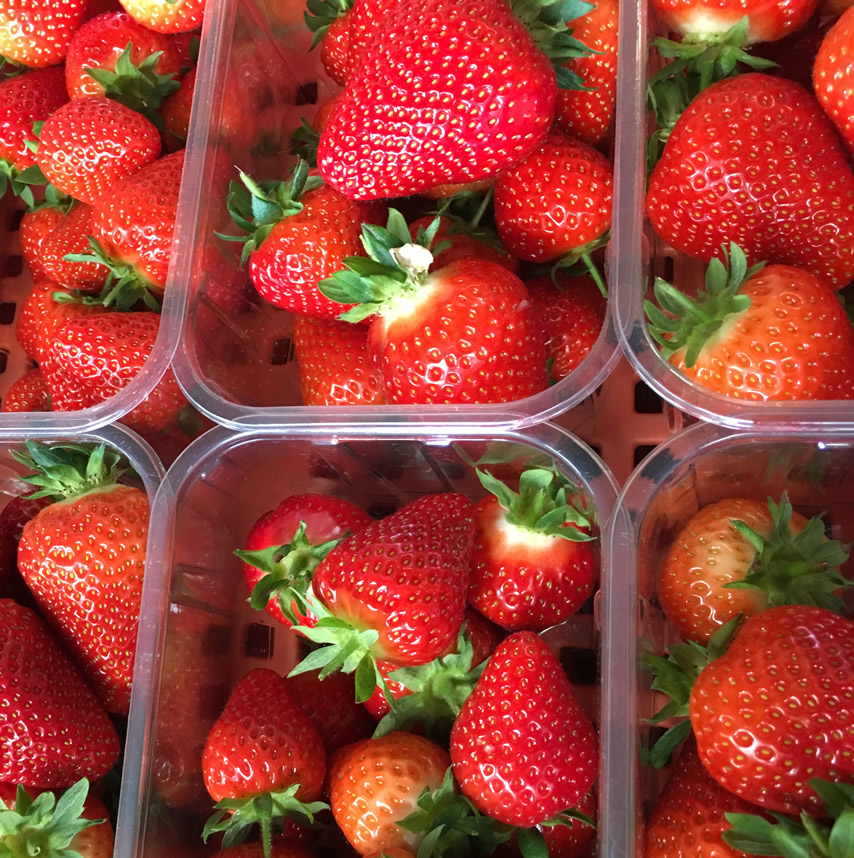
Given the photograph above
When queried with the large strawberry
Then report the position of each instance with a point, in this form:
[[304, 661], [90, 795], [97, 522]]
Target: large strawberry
[[37, 34], [522, 747], [833, 76], [84, 558], [787, 200], [166, 16], [462, 334], [53, 730]]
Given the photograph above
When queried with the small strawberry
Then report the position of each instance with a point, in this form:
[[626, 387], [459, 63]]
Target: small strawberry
[[176, 111], [70, 237], [35, 227], [88, 144], [522, 748], [166, 16], [833, 76], [53, 729], [14, 515], [186, 48], [334, 364], [576, 836], [37, 34], [28, 393]]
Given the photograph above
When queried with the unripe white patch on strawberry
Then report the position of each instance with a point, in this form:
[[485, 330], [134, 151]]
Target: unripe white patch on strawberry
[[523, 537], [409, 303]]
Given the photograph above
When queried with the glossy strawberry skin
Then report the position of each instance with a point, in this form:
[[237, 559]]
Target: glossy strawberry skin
[[788, 201], [28, 393], [71, 235], [463, 245], [263, 742], [334, 50], [91, 143], [364, 20], [35, 227], [557, 200], [833, 76], [54, 730], [523, 750], [776, 709], [37, 34], [334, 364], [576, 839], [176, 111], [427, 48], [25, 99], [472, 340], [405, 576], [163, 16]]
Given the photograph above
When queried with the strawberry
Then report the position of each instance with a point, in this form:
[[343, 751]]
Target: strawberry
[[37, 34], [88, 144], [93, 358], [334, 51], [570, 312], [586, 113], [760, 333], [576, 837], [256, 850], [28, 393], [442, 192], [299, 234], [176, 111], [35, 227], [286, 545], [113, 55], [54, 730], [333, 363], [14, 515], [163, 16], [70, 237], [833, 73], [532, 565], [368, 149], [788, 201], [463, 241], [522, 748], [376, 783], [772, 555], [186, 48], [463, 334], [263, 759]]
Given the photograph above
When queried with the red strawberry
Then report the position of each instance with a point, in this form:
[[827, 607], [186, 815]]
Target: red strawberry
[[163, 16], [334, 50], [17, 512], [84, 557], [177, 109], [37, 34], [466, 242], [833, 76], [575, 838], [570, 312], [532, 565], [789, 201], [89, 144], [28, 393], [523, 750], [333, 363], [286, 545], [775, 710], [186, 47], [53, 729], [376, 783], [94, 358], [587, 113], [35, 227], [428, 47], [758, 334], [71, 236], [556, 202], [113, 55]]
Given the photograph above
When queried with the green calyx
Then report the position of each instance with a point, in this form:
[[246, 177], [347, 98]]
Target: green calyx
[[235, 817], [580, 261], [138, 87], [674, 676], [288, 568], [545, 503], [803, 838], [67, 471], [396, 266], [320, 14], [795, 570], [682, 323], [257, 207], [44, 826], [546, 21], [304, 143], [21, 182]]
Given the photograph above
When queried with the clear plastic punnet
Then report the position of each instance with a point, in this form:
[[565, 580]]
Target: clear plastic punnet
[[199, 635], [256, 82], [697, 467], [638, 255]]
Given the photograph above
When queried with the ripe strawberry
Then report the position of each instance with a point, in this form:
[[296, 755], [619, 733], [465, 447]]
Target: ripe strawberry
[[570, 312], [465, 242], [576, 837], [788, 201], [286, 545], [17, 512], [35, 227], [88, 144], [84, 557], [782, 690], [761, 333], [71, 236], [376, 783], [163, 16], [442, 192], [28, 393], [176, 111], [113, 55], [54, 730], [94, 358], [586, 113], [464, 334], [689, 815], [333, 363], [783, 558], [186, 47], [833, 74], [523, 750], [556, 202], [37, 34]]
